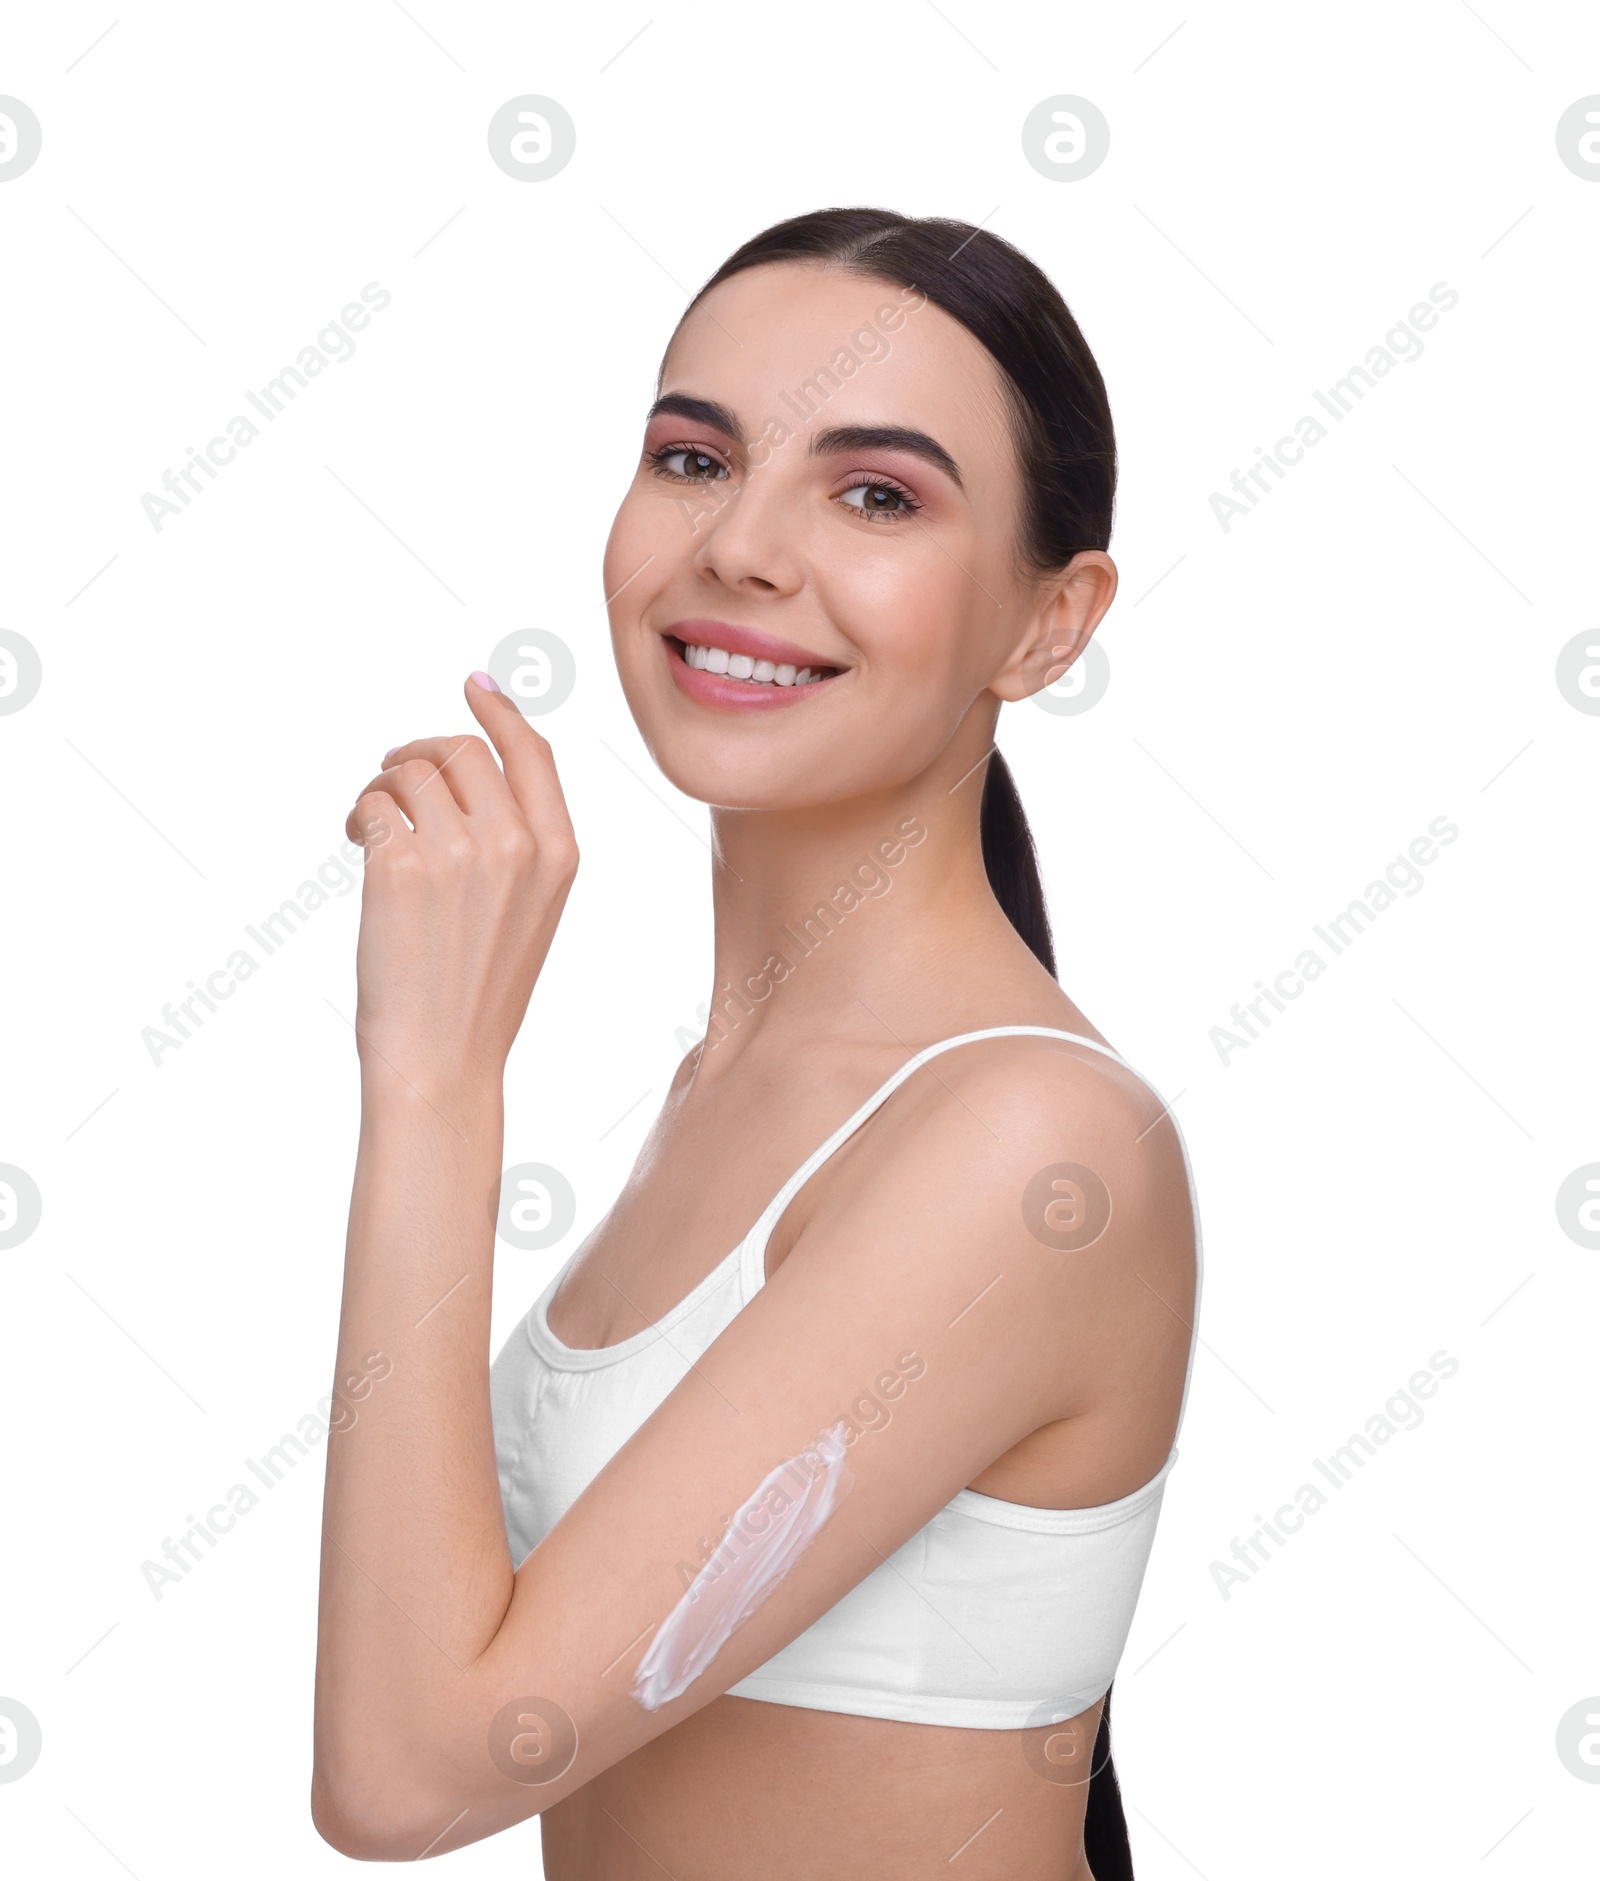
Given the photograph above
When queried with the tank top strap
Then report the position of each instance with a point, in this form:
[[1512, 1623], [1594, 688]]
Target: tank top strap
[[753, 1250]]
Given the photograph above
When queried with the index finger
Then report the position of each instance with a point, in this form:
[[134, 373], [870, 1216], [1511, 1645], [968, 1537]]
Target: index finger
[[527, 759]]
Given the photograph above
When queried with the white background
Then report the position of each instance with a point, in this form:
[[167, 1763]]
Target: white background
[[1372, 647]]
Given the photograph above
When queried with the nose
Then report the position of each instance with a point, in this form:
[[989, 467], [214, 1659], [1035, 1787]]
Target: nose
[[746, 535]]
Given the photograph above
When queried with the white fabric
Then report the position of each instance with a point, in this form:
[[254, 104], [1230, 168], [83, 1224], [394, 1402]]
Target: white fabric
[[994, 1615]]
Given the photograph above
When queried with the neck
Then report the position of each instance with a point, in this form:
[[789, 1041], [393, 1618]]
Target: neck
[[857, 921]]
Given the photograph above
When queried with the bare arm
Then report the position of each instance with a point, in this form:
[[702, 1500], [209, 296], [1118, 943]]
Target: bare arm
[[458, 913]]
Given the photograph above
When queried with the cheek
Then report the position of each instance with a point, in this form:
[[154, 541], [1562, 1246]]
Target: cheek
[[626, 545], [659, 530], [911, 614], [643, 552]]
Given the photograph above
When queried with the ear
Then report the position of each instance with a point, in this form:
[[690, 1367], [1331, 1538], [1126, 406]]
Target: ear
[[1075, 603]]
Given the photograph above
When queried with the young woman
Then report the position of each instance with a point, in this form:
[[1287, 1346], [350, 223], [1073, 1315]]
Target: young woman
[[816, 1557]]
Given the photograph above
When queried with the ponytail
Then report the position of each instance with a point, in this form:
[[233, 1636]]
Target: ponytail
[[1105, 1827], [1013, 865]]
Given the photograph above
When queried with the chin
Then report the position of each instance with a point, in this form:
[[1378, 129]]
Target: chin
[[714, 771]]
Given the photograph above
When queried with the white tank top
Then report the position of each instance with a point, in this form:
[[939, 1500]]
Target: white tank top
[[995, 1615]]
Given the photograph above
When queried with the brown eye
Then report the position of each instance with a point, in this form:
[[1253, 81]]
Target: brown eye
[[687, 465], [887, 500]]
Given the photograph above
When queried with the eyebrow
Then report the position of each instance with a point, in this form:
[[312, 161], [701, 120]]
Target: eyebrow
[[888, 438], [700, 411], [836, 439]]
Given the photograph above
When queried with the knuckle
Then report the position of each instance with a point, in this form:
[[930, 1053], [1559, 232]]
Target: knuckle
[[560, 856], [515, 844], [372, 818]]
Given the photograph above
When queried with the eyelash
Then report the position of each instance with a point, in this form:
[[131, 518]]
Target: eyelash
[[909, 503]]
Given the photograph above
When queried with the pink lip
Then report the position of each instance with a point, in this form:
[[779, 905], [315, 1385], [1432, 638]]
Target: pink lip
[[716, 689]]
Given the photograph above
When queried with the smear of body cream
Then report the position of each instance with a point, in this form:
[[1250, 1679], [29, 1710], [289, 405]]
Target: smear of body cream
[[767, 1535]]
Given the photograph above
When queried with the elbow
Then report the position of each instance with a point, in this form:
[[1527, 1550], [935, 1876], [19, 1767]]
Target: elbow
[[341, 1831], [344, 1836], [371, 1819], [351, 1829]]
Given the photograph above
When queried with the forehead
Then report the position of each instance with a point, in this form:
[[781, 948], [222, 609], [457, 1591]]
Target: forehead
[[776, 340]]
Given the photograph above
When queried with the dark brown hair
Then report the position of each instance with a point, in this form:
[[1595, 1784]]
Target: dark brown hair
[[1061, 422]]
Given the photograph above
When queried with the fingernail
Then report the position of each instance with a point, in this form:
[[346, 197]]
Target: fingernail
[[390, 753], [483, 680]]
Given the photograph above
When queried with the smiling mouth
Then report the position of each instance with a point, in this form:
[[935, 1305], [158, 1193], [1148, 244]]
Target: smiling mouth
[[753, 672]]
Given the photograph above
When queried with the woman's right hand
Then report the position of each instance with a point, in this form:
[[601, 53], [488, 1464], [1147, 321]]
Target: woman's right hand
[[461, 896]]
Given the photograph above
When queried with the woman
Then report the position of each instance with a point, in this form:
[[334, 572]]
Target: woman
[[814, 1558]]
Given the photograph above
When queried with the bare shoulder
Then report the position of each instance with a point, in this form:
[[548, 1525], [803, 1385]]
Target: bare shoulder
[[1010, 1109], [1038, 1190], [1083, 1185]]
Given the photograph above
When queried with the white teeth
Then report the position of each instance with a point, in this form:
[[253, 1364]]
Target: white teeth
[[752, 671]]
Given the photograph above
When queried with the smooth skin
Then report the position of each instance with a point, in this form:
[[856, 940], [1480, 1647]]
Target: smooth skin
[[1060, 1387]]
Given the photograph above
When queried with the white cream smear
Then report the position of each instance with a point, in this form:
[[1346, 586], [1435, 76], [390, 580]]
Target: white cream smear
[[767, 1535]]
